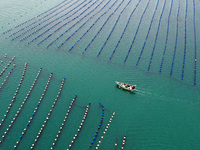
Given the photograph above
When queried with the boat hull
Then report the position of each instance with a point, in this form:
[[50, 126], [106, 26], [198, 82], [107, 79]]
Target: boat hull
[[125, 86]]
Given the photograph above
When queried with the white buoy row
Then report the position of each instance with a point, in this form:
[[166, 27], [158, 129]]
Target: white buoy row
[[99, 127], [21, 107], [48, 116], [123, 142], [34, 112], [14, 97], [1, 62], [6, 67], [63, 123], [80, 127], [6, 79], [106, 129]]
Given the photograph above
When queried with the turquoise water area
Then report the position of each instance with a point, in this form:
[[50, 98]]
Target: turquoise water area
[[93, 43]]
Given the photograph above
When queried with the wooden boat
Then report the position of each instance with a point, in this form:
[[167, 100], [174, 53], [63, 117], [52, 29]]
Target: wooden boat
[[125, 86]]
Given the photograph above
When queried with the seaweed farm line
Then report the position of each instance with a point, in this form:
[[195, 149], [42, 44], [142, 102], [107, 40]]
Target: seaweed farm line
[[14, 97], [59, 63], [35, 111], [69, 23], [4, 70], [48, 116], [12, 118], [20, 108]]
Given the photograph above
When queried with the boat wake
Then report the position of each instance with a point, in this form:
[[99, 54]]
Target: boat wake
[[141, 92]]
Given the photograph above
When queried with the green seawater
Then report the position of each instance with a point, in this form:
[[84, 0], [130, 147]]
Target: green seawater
[[162, 114]]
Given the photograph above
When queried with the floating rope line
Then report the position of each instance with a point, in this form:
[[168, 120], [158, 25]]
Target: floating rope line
[[124, 29], [80, 127], [185, 43], [113, 29], [166, 41], [175, 40], [43, 26], [32, 18], [48, 116], [74, 23], [152, 19], [14, 97], [71, 10], [154, 46], [136, 32], [55, 7], [6, 67], [99, 127], [34, 112], [123, 142], [80, 26], [57, 10], [44, 33], [19, 25], [64, 23], [102, 27], [6, 31], [61, 21], [35, 18], [108, 36], [62, 16], [106, 129], [22, 28], [6, 79], [195, 46], [36, 22], [64, 121], [94, 22], [97, 33], [42, 23], [21, 107]]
